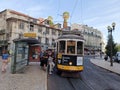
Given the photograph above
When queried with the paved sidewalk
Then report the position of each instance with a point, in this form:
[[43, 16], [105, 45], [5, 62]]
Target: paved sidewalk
[[32, 79], [106, 65]]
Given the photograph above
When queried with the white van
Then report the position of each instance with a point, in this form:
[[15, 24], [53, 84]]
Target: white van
[[118, 57]]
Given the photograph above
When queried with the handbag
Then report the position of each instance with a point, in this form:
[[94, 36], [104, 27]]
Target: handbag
[[8, 60]]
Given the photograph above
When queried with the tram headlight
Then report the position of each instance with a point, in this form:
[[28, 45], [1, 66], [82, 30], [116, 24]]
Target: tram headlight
[[70, 63], [79, 60]]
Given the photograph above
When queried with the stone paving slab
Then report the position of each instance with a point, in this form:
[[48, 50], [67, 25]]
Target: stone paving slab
[[33, 79], [106, 65]]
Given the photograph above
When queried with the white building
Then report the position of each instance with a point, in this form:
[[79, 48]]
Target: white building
[[93, 37]]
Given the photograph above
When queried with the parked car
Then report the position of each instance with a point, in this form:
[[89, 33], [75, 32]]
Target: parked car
[[117, 57]]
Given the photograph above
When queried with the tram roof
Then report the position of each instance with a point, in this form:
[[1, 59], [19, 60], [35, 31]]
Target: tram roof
[[73, 32], [71, 36]]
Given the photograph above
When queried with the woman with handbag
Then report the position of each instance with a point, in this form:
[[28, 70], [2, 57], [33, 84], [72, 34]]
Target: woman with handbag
[[5, 57]]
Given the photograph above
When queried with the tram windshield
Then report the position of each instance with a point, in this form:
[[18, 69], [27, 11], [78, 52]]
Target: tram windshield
[[71, 47]]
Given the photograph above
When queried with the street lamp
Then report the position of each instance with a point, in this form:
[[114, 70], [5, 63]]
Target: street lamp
[[110, 29]]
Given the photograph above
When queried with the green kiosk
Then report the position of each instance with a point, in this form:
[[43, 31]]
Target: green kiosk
[[20, 57]]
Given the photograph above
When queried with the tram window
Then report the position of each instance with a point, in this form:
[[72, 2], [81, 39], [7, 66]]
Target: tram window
[[62, 46], [71, 47], [79, 47]]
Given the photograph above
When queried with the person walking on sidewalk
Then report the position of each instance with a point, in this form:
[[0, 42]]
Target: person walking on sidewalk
[[41, 58], [106, 57], [5, 57], [44, 60], [51, 64]]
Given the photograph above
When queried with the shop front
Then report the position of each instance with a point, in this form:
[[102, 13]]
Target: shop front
[[34, 53]]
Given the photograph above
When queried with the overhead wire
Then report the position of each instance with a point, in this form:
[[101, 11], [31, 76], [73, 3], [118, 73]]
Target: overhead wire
[[58, 10], [73, 10], [82, 12]]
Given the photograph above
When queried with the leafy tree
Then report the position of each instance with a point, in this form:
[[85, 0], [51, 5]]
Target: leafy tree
[[118, 47], [108, 46]]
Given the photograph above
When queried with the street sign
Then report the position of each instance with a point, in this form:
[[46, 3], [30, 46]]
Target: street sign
[[33, 35]]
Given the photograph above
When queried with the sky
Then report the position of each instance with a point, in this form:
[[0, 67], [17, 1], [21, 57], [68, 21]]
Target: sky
[[95, 13]]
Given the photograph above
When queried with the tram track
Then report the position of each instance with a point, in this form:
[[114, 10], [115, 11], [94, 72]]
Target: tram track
[[92, 78], [88, 83], [79, 84], [71, 83]]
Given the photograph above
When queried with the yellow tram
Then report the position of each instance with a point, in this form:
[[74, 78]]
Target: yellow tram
[[70, 49]]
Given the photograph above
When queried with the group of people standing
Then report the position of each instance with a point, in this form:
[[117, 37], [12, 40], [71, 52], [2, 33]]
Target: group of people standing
[[47, 60]]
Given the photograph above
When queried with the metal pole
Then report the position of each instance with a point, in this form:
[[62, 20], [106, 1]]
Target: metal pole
[[100, 50], [111, 50]]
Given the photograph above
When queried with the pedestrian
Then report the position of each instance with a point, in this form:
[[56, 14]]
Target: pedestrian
[[41, 58], [45, 60], [106, 57], [50, 62], [5, 59]]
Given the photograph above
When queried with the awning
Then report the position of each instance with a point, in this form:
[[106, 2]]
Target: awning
[[28, 40]]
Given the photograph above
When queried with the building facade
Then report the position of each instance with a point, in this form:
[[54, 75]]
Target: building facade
[[93, 38], [17, 25]]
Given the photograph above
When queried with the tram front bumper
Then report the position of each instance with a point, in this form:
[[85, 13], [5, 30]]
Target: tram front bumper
[[70, 68]]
